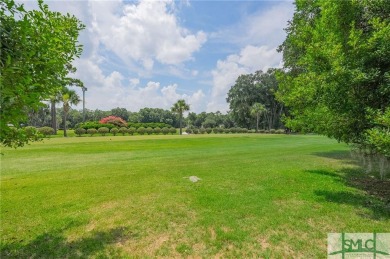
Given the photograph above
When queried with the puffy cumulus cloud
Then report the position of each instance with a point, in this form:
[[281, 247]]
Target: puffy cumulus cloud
[[249, 60], [114, 90], [145, 32]]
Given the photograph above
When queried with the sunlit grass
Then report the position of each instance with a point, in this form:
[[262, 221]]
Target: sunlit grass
[[260, 196]]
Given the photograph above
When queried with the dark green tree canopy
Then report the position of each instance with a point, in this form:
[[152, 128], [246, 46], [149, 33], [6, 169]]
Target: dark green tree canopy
[[37, 50], [259, 87], [337, 64]]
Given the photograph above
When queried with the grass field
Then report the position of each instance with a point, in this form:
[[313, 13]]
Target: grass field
[[268, 196]]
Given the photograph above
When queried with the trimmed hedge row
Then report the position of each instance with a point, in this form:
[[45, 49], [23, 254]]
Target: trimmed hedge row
[[96, 125], [123, 130]]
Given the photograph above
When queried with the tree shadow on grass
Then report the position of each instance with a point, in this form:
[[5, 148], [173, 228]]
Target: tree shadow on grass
[[376, 192], [56, 245]]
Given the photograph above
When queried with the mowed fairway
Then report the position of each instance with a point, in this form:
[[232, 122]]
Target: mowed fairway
[[269, 196]]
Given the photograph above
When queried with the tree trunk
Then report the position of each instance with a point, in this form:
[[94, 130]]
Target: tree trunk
[[65, 113], [180, 119], [53, 116]]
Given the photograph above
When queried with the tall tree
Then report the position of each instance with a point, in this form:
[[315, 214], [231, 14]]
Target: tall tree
[[180, 107], [336, 56], [257, 110], [69, 97], [37, 50]]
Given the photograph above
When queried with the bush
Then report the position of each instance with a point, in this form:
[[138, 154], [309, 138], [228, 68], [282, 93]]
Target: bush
[[114, 120], [165, 130], [103, 130], [261, 131], [280, 131], [233, 130], [172, 131], [227, 131], [30, 131], [209, 130], [157, 130], [202, 131], [153, 125], [189, 130], [93, 125], [216, 130], [123, 130], [195, 131], [272, 131], [114, 131], [46, 131], [80, 131], [141, 130], [149, 130], [131, 130], [266, 131], [252, 131], [92, 131], [244, 130]]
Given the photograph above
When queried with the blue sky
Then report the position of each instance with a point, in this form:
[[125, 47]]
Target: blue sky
[[152, 53]]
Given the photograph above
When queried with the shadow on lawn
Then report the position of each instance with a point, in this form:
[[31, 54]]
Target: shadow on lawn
[[56, 245], [375, 195]]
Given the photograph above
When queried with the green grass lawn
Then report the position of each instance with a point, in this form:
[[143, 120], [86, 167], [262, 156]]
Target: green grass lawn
[[270, 196]]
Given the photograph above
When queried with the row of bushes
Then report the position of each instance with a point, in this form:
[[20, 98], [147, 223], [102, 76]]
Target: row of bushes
[[123, 130], [96, 125], [231, 130]]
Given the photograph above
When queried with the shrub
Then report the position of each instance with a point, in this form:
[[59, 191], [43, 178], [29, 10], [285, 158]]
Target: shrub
[[202, 130], [172, 131], [227, 131], [80, 131], [252, 131], [103, 130], [122, 130], [157, 130], [244, 130], [261, 131], [149, 130], [266, 131], [131, 130], [114, 120], [209, 130], [114, 131], [216, 130], [30, 131], [153, 125], [46, 131], [195, 131], [233, 130], [165, 130], [280, 131], [189, 130], [92, 131], [272, 131], [141, 130], [93, 125]]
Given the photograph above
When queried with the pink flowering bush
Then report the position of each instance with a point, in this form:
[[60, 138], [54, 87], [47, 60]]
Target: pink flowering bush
[[117, 121]]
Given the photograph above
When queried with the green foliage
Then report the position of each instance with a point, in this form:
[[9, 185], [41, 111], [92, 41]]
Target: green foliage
[[202, 130], [103, 130], [227, 131], [80, 131], [165, 130], [195, 131], [209, 130], [255, 88], [149, 130], [114, 131], [157, 130], [179, 108], [46, 131], [336, 56], [152, 125], [141, 130], [122, 130], [92, 131], [37, 50], [272, 131], [94, 125], [188, 130], [172, 130], [132, 130]]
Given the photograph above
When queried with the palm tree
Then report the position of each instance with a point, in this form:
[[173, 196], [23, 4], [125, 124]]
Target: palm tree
[[180, 107], [257, 110], [69, 97]]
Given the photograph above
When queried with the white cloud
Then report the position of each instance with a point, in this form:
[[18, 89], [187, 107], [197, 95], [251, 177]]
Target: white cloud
[[145, 32]]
